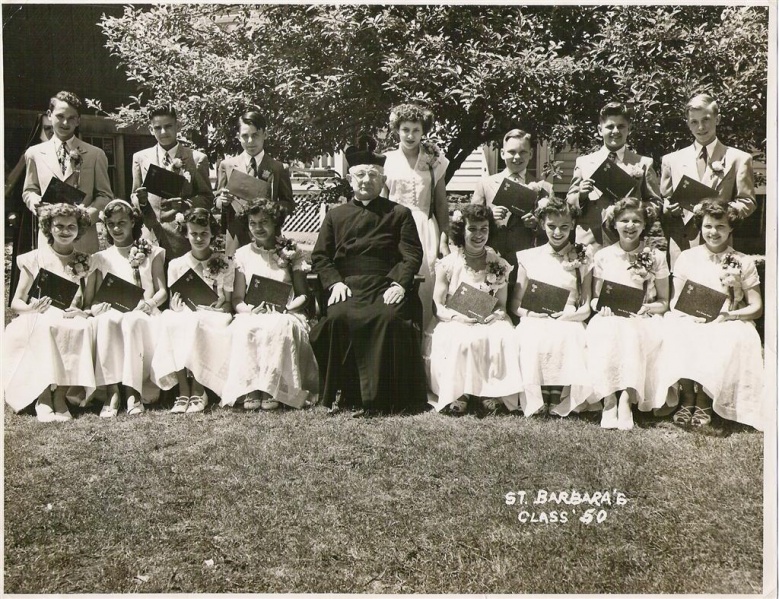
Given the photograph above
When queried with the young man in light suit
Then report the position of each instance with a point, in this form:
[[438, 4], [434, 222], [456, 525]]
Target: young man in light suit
[[159, 214], [614, 127], [71, 160], [512, 233], [257, 162], [726, 170]]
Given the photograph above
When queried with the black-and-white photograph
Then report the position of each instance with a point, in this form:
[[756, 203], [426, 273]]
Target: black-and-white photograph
[[390, 298]]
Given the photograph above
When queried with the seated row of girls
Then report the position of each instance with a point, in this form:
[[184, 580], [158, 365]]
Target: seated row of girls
[[565, 366], [263, 357]]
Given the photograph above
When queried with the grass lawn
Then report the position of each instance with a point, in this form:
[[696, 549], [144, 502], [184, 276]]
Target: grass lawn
[[227, 501]]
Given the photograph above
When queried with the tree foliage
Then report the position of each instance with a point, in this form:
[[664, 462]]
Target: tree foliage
[[322, 73]]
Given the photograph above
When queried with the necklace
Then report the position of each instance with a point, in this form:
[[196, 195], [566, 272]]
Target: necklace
[[475, 256]]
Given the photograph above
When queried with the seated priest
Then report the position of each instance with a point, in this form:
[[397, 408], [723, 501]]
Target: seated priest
[[366, 255]]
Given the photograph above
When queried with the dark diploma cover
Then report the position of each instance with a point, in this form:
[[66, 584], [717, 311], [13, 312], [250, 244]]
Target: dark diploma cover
[[699, 300], [612, 180], [518, 198], [164, 183], [544, 298], [60, 192], [270, 291], [193, 290], [122, 296], [59, 289], [689, 192], [622, 299], [472, 302]]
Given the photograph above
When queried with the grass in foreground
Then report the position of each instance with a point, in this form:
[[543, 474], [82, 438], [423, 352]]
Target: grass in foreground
[[299, 502]]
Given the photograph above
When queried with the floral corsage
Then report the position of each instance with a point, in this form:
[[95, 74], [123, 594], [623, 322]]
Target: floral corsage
[[287, 253], [642, 266], [496, 276], [576, 257], [430, 157], [730, 277], [79, 268], [214, 269], [139, 251]]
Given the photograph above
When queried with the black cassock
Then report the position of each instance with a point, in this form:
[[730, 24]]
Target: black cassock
[[369, 350]]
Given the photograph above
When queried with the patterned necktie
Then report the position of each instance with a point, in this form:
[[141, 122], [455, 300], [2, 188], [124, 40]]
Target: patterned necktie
[[253, 166], [166, 160], [613, 156], [702, 162], [63, 154]]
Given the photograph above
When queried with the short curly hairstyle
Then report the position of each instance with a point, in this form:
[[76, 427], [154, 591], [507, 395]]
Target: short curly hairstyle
[[198, 216], [647, 211], [412, 113], [473, 213], [557, 207], [49, 212], [269, 207], [118, 205], [716, 208]]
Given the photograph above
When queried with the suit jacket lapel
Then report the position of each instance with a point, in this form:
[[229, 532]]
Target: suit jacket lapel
[[267, 165], [688, 166], [48, 153], [717, 155]]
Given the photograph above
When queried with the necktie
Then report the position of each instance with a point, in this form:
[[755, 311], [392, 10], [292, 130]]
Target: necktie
[[166, 160], [613, 156], [253, 166], [63, 154], [702, 162]]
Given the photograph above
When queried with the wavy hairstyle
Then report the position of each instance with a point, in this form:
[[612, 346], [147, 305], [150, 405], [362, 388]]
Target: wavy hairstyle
[[270, 208], [556, 207], [413, 113], [117, 205], [198, 216], [716, 208], [647, 211], [473, 213], [48, 212]]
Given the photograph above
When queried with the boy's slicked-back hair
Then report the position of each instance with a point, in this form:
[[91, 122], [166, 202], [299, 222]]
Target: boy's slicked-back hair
[[615, 109], [516, 134], [69, 98], [254, 118], [701, 102], [162, 110]]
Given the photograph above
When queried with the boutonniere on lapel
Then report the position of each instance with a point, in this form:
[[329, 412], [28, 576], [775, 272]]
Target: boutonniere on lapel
[[75, 163], [178, 167], [718, 167], [265, 175], [634, 170]]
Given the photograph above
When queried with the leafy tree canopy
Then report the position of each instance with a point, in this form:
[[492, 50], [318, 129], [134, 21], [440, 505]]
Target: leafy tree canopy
[[322, 73]]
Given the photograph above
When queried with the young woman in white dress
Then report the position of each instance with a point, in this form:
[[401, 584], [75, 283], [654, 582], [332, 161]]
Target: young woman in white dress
[[45, 346], [718, 365], [552, 347], [622, 352], [468, 359], [125, 342], [193, 344], [415, 174], [271, 360]]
